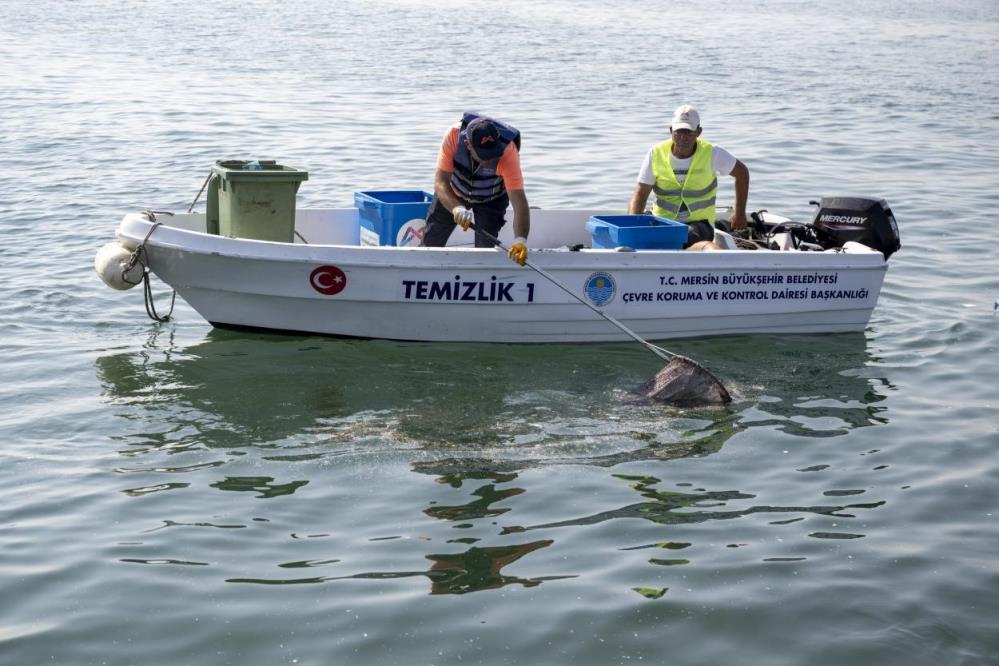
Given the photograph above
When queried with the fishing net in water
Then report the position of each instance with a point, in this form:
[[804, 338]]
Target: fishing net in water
[[684, 382]]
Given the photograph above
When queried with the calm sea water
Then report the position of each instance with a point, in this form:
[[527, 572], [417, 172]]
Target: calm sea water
[[171, 494]]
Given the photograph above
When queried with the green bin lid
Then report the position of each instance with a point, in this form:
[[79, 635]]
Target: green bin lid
[[257, 170]]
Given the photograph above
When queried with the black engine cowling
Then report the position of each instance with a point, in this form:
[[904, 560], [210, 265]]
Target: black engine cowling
[[867, 221]]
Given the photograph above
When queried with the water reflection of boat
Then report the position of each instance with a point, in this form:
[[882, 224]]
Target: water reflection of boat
[[236, 388], [244, 388]]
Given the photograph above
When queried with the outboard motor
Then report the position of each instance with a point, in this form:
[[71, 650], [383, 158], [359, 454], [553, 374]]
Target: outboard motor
[[866, 221]]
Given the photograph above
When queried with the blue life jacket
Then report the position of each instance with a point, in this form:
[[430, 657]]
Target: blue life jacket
[[477, 182]]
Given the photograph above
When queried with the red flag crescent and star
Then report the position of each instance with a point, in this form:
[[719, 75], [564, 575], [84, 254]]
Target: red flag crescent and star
[[328, 280]]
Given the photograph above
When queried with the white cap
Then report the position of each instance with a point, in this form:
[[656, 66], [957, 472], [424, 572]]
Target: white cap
[[686, 117]]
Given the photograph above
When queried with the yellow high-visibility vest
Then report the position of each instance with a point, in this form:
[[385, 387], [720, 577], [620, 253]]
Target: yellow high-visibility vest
[[698, 189]]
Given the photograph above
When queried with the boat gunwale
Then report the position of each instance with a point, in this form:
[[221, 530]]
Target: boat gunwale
[[135, 227]]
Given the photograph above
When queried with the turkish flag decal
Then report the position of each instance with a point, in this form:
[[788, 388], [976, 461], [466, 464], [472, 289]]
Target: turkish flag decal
[[328, 280]]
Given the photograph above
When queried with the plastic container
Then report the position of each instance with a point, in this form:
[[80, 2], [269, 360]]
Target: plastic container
[[253, 199], [392, 217], [641, 232]]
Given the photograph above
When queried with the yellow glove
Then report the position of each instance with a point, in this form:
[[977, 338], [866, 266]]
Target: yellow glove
[[518, 251], [462, 217]]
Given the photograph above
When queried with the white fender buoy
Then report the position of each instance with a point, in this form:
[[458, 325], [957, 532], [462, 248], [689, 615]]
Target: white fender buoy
[[110, 262]]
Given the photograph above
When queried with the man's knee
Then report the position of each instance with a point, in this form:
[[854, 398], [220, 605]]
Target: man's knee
[[440, 225], [704, 245], [489, 219]]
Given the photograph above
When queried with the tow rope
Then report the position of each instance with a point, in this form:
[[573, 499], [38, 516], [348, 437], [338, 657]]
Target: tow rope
[[140, 256]]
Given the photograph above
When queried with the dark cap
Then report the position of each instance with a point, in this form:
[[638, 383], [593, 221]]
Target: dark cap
[[485, 139]]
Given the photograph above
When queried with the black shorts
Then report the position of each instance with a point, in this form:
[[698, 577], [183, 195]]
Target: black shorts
[[489, 216], [698, 231]]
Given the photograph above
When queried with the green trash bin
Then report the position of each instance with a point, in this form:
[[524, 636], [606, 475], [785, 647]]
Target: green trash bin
[[253, 200]]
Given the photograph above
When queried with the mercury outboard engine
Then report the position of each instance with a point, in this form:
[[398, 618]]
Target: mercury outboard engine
[[866, 221]]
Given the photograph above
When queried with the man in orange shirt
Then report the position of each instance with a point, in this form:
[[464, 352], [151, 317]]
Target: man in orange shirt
[[478, 172]]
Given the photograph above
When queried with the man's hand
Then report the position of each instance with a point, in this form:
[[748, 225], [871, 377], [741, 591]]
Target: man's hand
[[518, 251], [462, 217]]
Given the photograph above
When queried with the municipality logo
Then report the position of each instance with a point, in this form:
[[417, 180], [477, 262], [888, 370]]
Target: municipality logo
[[600, 288], [411, 233]]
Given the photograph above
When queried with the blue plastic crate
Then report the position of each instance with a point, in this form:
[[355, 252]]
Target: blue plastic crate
[[392, 217], [641, 232]]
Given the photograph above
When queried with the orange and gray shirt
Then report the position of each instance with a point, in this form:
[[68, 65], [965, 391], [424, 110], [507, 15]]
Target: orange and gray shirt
[[479, 182]]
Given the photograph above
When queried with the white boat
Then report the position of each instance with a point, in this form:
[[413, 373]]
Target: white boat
[[328, 282]]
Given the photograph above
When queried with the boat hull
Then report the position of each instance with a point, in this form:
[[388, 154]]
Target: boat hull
[[464, 294]]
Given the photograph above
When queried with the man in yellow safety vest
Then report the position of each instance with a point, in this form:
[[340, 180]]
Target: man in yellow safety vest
[[682, 173]]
